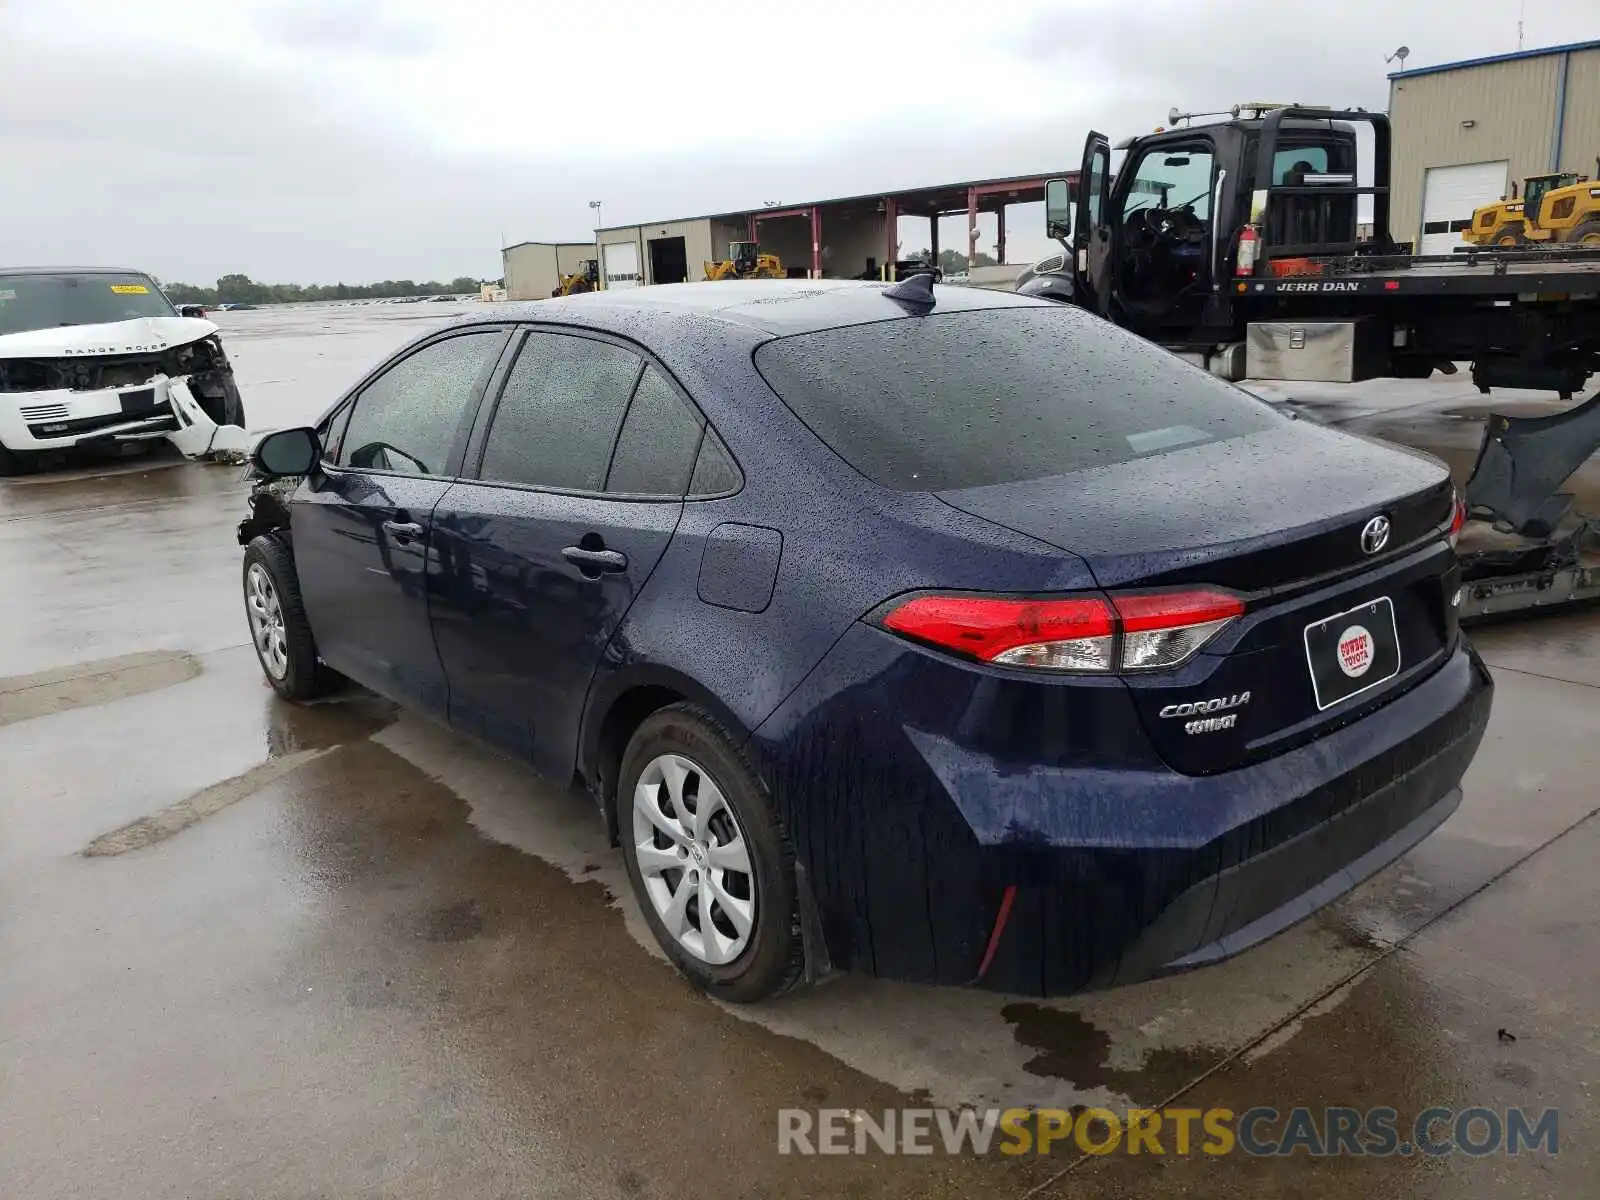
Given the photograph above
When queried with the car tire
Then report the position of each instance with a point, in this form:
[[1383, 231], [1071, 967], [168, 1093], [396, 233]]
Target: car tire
[[276, 617], [769, 958]]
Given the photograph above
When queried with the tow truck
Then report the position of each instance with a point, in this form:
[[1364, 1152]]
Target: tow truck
[[1237, 243]]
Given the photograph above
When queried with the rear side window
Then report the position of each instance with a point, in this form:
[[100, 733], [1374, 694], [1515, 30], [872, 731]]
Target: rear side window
[[559, 413], [406, 419], [1306, 160], [715, 472], [656, 449], [965, 399]]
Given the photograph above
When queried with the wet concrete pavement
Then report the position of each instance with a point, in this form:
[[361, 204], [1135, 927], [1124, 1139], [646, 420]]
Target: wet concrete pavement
[[249, 949]]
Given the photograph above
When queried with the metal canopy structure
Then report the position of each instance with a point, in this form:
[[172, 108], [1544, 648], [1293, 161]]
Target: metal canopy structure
[[947, 199]]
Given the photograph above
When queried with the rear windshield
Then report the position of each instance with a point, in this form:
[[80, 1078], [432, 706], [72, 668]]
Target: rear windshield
[[48, 301], [964, 399]]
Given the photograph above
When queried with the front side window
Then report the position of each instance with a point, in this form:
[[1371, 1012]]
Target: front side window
[[406, 419], [558, 416]]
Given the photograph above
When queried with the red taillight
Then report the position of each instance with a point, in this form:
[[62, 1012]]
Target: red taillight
[[1136, 631], [1244, 262], [1458, 519], [1060, 635]]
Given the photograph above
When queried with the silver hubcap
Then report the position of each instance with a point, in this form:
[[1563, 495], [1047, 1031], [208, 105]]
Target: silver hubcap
[[693, 859], [266, 621]]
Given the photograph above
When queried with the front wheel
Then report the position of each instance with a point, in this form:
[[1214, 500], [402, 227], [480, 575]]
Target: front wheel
[[708, 857], [278, 626]]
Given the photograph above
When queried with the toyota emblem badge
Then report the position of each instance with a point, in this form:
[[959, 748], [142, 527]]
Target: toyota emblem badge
[[1375, 535]]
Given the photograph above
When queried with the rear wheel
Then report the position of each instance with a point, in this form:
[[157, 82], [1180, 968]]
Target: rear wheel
[[1511, 235], [1586, 232], [708, 857], [278, 626]]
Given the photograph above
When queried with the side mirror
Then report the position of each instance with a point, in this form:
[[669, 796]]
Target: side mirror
[[287, 452], [191, 310], [1058, 209]]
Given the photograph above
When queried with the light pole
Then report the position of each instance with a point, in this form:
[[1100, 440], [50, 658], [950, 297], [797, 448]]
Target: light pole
[[595, 204]]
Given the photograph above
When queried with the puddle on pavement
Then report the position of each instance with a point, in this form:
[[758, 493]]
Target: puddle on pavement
[[296, 735], [1069, 1047], [175, 818], [24, 697]]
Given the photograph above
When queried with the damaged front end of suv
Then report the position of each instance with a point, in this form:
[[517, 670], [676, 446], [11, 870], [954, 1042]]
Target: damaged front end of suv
[[102, 360]]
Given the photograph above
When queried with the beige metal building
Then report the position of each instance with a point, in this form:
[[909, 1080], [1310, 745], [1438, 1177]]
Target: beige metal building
[[1465, 131], [533, 269]]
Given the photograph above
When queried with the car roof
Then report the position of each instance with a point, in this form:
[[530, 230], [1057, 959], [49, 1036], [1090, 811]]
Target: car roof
[[772, 307]]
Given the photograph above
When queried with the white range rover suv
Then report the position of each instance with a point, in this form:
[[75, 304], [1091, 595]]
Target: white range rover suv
[[100, 357]]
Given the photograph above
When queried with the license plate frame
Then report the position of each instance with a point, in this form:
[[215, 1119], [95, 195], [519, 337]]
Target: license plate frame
[[138, 403], [1332, 683]]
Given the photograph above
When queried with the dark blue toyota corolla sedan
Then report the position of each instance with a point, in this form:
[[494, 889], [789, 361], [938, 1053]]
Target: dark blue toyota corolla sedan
[[943, 634]]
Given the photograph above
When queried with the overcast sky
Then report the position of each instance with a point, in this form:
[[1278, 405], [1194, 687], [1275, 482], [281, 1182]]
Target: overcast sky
[[324, 140]]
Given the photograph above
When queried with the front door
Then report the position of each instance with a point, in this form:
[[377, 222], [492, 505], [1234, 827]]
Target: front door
[[361, 524], [546, 553], [1091, 230]]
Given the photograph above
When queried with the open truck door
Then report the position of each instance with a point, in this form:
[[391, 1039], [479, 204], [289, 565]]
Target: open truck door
[[1091, 226]]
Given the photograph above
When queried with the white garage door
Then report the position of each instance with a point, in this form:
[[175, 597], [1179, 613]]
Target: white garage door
[[621, 263], [1449, 194]]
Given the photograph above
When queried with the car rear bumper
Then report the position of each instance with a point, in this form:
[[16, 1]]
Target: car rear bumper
[[1117, 868]]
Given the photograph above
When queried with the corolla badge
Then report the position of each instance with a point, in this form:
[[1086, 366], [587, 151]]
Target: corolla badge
[[1202, 711]]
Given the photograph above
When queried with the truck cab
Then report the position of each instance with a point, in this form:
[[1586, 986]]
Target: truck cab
[[1157, 244]]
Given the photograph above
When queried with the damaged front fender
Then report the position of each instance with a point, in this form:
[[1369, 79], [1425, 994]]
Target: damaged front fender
[[269, 508]]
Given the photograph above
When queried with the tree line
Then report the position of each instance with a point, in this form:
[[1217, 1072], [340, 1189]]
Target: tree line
[[241, 289]]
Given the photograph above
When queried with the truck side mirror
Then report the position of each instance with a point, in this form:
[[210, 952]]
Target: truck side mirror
[[1058, 209]]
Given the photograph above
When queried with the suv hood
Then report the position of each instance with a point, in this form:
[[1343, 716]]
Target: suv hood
[[138, 336]]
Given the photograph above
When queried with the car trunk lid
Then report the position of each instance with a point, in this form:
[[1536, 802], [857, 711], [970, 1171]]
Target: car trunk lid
[[1290, 519]]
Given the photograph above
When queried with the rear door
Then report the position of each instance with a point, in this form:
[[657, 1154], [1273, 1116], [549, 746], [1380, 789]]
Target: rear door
[[582, 467], [1091, 230], [361, 524]]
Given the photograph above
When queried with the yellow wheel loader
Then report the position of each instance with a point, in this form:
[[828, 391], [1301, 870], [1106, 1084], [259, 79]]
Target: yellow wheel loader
[[745, 261], [1557, 209], [585, 279]]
